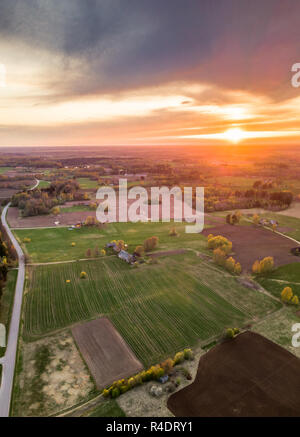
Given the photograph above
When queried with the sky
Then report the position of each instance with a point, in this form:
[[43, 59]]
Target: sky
[[149, 72]]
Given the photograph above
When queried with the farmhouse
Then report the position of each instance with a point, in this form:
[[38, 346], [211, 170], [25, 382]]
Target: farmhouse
[[126, 256], [113, 246]]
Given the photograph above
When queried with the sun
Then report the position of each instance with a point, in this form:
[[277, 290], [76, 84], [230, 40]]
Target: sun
[[235, 135]]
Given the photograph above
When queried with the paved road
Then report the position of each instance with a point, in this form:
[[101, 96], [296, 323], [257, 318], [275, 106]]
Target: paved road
[[9, 360]]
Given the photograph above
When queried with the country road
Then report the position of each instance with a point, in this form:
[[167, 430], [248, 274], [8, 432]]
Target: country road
[[9, 360]]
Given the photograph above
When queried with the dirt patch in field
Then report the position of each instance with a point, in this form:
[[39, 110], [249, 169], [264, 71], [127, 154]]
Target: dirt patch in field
[[107, 355], [53, 377], [248, 376], [252, 243], [6, 193], [42, 221]]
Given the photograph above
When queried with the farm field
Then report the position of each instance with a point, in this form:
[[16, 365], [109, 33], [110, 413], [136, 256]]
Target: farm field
[[277, 327], [241, 378], [55, 244], [4, 170], [251, 243], [288, 275], [158, 309], [44, 184], [87, 184], [107, 355]]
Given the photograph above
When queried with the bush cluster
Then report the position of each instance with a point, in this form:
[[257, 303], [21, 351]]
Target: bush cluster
[[219, 242], [152, 374], [287, 296], [265, 265]]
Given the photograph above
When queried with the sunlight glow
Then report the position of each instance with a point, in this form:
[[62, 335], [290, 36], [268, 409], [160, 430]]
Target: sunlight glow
[[235, 135]]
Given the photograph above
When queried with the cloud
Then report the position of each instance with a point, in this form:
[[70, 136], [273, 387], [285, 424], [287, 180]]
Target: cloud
[[111, 45]]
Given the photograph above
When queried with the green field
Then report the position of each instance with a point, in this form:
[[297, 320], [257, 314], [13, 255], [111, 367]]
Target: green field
[[288, 275], [87, 184], [44, 184], [74, 208], [158, 309], [55, 244], [4, 170]]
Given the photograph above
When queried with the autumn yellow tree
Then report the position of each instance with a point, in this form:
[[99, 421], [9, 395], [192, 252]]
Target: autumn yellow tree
[[286, 294], [237, 268], [256, 267], [219, 257], [230, 264], [255, 219]]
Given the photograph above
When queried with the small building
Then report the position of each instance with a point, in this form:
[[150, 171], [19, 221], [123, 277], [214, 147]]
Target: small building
[[125, 256], [264, 222], [163, 379], [112, 246]]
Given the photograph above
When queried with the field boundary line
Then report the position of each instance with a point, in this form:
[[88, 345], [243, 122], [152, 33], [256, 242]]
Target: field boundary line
[[70, 261]]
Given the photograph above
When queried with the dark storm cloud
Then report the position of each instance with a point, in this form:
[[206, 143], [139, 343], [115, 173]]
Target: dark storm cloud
[[121, 44]]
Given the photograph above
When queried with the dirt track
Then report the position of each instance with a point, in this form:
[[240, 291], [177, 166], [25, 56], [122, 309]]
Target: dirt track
[[248, 376], [251, 243], [107, 355]]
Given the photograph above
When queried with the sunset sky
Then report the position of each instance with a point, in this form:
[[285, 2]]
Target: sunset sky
[[132, 72]]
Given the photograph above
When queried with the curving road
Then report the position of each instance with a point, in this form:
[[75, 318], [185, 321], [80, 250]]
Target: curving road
[[9, 360]]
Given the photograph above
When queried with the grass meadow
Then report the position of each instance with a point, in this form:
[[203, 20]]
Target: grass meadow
[[48, 245]]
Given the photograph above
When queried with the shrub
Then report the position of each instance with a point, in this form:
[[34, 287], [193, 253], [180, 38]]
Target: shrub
[[219, 257], [255, 219], [173, 232], [83, 275], [237, 268], [229, 333], [139, 250], [295, 300], [102, 252], [106, 393], [88, 253], [73, 244], [230, 264], [267, 264], [93, 205], [150, 243], [256, 267], [115, 392], [167, 365], [220, 242], [55, 210], [90, 221], [286, 294], [179, 358], [188, 354]]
